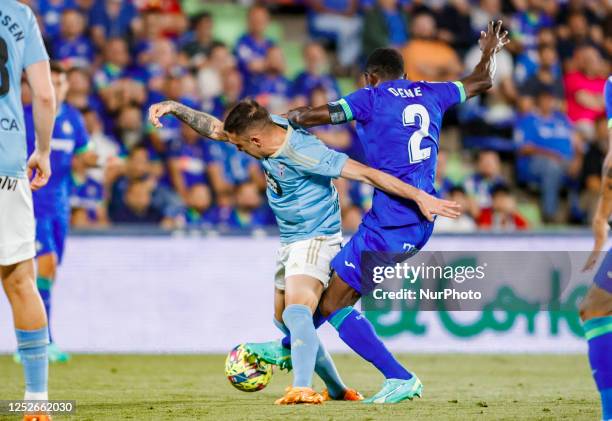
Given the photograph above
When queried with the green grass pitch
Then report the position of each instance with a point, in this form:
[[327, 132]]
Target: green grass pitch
[[193, 387]]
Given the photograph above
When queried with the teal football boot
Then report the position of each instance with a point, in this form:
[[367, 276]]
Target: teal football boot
[[397, 390], [272, 352]]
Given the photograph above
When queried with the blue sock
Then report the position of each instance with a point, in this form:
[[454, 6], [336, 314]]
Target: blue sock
[[324, 367], [598, 332], [358, 333], [32, 346], [317, 320], [304, 343], [44, 288]]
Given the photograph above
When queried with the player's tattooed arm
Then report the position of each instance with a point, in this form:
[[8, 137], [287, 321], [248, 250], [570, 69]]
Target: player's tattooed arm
[[428, 204], [311, 116], [491, 42], [201, 122]]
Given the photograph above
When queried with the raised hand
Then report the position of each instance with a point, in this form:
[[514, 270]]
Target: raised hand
[[493, 40]]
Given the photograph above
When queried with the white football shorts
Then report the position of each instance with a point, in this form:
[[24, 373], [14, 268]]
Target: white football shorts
[[310, 257], [17, 226]]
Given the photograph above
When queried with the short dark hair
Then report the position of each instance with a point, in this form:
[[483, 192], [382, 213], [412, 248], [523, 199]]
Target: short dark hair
[[57, 67], [387, 63], [245, 115], [500, 188]]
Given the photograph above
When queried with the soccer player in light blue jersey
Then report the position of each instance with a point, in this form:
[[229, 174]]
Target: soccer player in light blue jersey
[[52, 202], [596, 308], [299, 169], [398, 123], [22, 48]]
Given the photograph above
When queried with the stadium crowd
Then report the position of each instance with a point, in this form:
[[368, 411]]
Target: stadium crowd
[[537, 138]]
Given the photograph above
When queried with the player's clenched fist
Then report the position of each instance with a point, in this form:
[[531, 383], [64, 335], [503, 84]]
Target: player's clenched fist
[[157, 111], [39, 166]]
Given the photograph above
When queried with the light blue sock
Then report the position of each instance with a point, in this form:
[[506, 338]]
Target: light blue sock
[[32, 346], [324, 367], [598, 332], [304, 343]]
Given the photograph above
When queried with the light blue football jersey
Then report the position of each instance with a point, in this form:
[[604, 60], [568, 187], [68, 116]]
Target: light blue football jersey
[[21, 45], [300, 190]]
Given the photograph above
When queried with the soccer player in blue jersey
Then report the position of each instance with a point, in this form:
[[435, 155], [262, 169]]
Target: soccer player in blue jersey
[[299, 170], [398, 123], [596, 308], [52, 202], [22, 48]]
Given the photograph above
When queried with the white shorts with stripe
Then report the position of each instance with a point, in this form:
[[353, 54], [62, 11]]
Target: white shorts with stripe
[[310, 257], [17, 227]]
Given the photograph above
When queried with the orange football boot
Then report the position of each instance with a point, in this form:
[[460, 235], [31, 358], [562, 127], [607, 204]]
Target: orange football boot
[[37, 417], [296, 395], [349, 395]]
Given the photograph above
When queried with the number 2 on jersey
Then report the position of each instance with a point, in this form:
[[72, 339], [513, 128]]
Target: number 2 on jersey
[[411, 112], [4, 73]]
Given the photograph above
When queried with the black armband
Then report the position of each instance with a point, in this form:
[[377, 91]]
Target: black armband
[[337, 113]]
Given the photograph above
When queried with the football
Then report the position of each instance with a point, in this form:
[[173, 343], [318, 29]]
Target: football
[[244, 372]]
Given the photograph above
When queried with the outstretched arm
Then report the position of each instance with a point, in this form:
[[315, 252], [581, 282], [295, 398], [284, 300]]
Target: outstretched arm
[[427, 203], [310, 116], [201, 122], [491, 42]]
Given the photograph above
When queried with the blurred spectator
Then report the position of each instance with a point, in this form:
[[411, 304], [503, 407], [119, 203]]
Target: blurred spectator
[[271, 88], [81, 95], [198, 48], [455, 23], [168, 14], [385, 24], [210, 77], [502, 215], [188, 160], [465, 222], [72, 47], [527, 23], [340, 18], [426, 57], [544, 140], [529, 62], [136, 205], [117, 82], [252, 47], [572, 35], [113, 18], [478, 186], [51, 13], [88, 208], [110, 152], [584, 90], [487, 11], [232, 92], [249, 210], [315, 76], [200, 212], [548, 74]]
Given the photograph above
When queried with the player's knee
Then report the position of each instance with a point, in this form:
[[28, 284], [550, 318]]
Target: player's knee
[[20, 287]]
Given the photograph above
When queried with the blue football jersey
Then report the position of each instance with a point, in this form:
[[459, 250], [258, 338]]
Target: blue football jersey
[[398, 123], [608, 97], [21, 45], [300, 190], [69, 138]]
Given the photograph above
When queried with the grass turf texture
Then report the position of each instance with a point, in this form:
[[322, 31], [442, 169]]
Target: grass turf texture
[[193, 387]]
